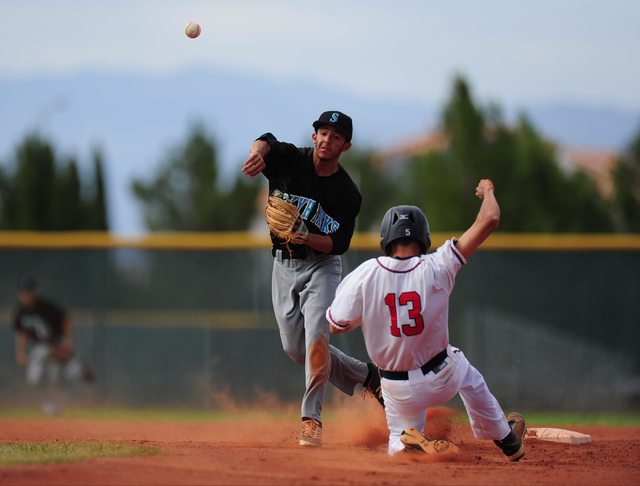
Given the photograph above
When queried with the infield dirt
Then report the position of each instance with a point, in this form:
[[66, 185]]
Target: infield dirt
[[354, 452]]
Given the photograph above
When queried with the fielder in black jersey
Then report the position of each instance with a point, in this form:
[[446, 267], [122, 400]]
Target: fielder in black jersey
[[328, 204], [305, 276], [45, 346]]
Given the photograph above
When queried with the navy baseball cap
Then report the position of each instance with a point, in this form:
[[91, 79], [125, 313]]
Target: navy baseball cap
[[27, 283], [336, 119]]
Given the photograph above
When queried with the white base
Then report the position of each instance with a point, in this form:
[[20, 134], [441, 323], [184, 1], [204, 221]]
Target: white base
[[557, 435]]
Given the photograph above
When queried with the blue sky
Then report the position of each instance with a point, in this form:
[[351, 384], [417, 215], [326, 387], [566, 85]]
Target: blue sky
[[360, 54], [515, 51]]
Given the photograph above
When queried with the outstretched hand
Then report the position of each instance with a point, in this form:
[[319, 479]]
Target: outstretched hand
[[253, 165], [486, 221], [484, 186]]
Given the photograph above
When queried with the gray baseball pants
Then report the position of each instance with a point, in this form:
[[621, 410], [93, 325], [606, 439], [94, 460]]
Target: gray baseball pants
[[302, 290], [46, 374]]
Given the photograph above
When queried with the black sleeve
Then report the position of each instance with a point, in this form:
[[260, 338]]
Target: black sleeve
[[282, 163], [269, 138], [273, 158]]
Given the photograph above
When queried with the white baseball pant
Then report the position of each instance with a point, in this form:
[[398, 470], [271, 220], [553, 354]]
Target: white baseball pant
[[407, 401]]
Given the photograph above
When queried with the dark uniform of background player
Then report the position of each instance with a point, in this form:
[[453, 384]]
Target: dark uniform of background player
[[305, 276], [45, 345]]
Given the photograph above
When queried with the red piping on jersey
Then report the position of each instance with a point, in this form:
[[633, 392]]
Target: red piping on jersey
[[456, 252], [334, 323], [399, 271]]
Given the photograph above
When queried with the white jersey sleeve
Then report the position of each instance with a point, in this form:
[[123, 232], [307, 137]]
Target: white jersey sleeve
[[401, 304], [345, 313]]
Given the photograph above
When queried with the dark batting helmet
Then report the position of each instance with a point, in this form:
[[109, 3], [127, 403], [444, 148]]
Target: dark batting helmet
[[404, 222]]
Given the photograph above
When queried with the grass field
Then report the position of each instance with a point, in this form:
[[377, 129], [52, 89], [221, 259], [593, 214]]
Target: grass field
[[160, 414], [71, 451], [13, 454], [124, 446], [534, 418]]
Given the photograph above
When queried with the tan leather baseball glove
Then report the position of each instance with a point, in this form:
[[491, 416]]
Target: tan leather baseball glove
[[284, 219]]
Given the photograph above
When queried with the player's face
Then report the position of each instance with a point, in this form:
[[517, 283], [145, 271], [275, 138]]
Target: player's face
[[27, 297], [330, 143]]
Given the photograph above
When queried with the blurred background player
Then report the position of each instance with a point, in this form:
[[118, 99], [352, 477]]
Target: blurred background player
[[402, 303], [45, 346], [305, 276]]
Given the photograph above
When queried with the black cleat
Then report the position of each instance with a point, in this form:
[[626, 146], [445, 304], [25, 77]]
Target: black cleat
[[514, 450], [372, 383]]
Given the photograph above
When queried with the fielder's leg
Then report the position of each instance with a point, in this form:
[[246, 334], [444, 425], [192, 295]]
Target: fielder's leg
[[346, 372], [41, 373], [76, 369], [286, 307], [322, 276], [36, 372], [295, 306]]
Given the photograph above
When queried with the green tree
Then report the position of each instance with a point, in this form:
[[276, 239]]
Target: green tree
[[38, 193], [97, 204], [184, 194], [8, 208], [627, 186], [67, 205], [34, 190], [535, 194]]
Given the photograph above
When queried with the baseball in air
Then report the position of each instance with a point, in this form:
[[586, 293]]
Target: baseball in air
[[192, 30]]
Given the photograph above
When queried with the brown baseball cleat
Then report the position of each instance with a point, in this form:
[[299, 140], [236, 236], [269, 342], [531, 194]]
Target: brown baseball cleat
[[414, 440], [311, 433]]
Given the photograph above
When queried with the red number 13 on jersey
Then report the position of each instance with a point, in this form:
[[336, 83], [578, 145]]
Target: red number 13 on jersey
[[414, 313]]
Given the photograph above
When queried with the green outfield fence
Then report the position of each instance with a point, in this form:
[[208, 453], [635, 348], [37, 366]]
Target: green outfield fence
[[552, 321]]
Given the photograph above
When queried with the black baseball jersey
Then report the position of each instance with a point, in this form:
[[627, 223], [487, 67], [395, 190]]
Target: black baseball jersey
[[329, 205], [42, 323]]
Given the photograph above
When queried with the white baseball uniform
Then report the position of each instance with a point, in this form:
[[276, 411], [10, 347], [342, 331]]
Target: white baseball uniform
[[402, 306]]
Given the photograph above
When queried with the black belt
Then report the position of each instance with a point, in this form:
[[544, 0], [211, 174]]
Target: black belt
[[426, 368], [297, 254]]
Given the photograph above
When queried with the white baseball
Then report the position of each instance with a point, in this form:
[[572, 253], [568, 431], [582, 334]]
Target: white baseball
[[192, 30]]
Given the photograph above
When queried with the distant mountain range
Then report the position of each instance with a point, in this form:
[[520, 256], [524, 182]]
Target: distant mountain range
[[135, 119]]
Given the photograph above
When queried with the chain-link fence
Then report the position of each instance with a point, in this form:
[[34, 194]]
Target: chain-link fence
[[167, 326]]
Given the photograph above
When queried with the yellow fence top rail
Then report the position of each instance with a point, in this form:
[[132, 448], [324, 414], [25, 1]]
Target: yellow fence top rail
[[248, 240], [89, 239], [526, 241]]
